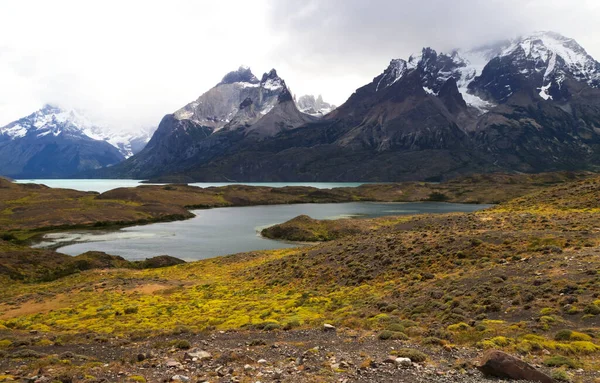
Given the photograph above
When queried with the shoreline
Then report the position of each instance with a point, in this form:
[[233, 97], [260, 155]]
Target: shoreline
[[71, 236]]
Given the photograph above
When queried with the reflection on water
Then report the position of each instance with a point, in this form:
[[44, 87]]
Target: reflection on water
[[221, 231]]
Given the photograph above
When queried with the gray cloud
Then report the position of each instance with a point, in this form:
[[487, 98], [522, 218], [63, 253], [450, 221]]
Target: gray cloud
[[360, 37], [128, 63]]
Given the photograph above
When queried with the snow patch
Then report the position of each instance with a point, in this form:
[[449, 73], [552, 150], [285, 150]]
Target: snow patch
[[393, 73], [272, 84], [476, 102], [248, 84], [267, 109], [544, 92], [14, 132]]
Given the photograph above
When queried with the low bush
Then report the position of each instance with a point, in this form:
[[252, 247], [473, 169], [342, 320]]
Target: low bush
[[560, 361], [415, 356]]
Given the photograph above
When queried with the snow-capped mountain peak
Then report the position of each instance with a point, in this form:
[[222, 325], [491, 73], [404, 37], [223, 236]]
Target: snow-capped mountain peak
[[55, 121], [555, 55], [271, 81], [545, 58], [436, 68], [48, 120], [239, 99]]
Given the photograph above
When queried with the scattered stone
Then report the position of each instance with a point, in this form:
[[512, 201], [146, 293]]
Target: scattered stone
[[403, 362], [262, 361], [502, 365], [328, 327], [198, 355], [173, 364], [180, 378]]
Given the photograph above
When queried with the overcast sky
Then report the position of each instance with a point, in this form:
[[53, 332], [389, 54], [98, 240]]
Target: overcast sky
[[127, 63]]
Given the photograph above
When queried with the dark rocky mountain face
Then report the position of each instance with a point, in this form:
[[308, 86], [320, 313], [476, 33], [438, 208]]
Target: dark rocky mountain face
[[51, 143], [532, 104]]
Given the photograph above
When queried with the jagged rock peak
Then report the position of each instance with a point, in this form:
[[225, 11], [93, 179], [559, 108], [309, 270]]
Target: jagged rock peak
[[243, 74], [392, 73], [314, 106], [271, 81], [272, 74]]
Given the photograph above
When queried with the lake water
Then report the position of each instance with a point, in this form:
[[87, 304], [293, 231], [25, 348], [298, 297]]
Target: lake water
[[222, 231], [103, 185]]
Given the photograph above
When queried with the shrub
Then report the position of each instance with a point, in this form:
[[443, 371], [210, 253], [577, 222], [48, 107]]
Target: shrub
[[563, 335], [408, 323], [560, 375], [7, 237], [394, 335], [572, 310], [592, 309], [560, 361], [547, 311], [272, 326], [181, 344], [291, 324], [582, 347], [499, 341], [414, 355], [29, 354], [395, 327], [462, 326], [433, 341], [397, 335], [131, 310], [5, 343], [579, 336]]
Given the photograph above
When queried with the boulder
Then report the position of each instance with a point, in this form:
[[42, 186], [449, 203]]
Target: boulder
[[403, 362], [502, 365]]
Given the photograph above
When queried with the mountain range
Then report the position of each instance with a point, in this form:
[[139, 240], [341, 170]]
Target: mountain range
[[530, 104], [55, 143]]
